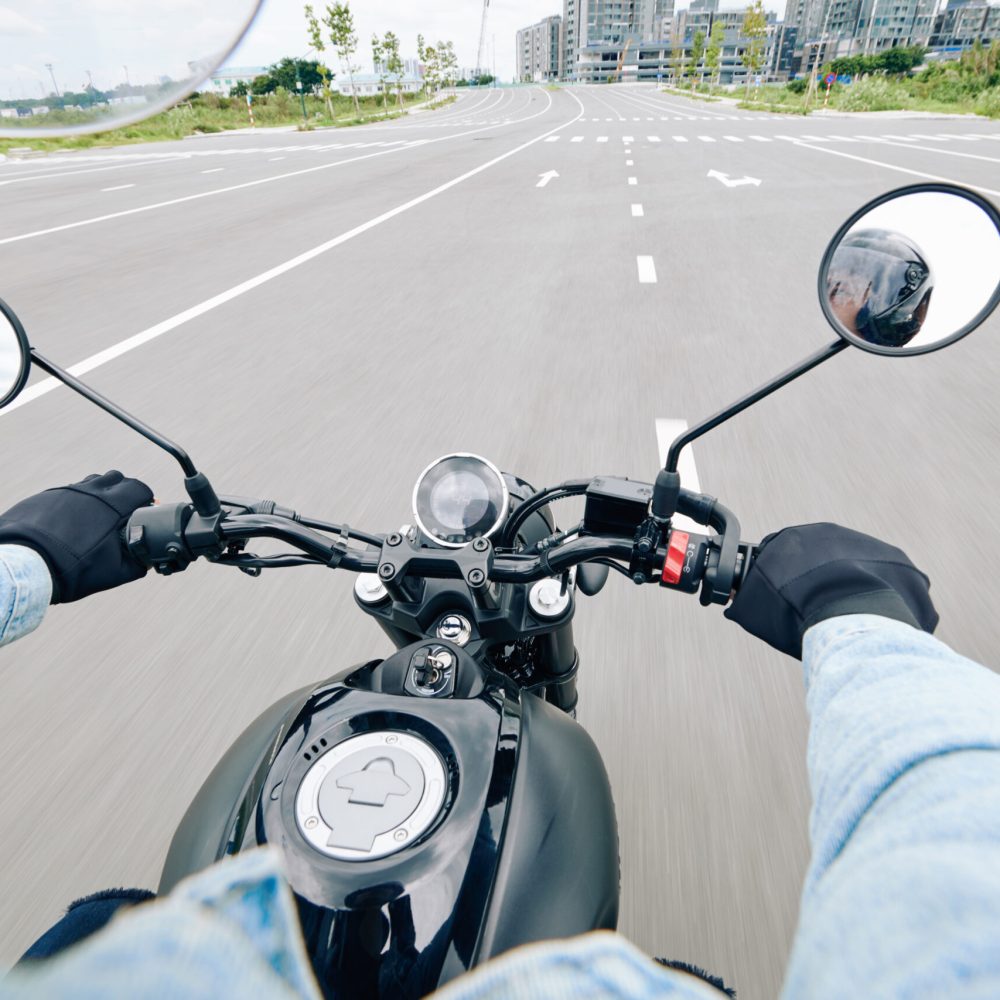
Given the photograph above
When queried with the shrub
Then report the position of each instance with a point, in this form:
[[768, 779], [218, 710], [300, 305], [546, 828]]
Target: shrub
[[873, 94], [797, 86], [988, 103]]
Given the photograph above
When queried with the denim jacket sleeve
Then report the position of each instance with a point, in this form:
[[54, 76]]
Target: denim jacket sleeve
[[25, 591], [902, 896]]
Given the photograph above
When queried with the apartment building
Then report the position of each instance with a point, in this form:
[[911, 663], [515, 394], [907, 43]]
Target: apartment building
[[540, 51]]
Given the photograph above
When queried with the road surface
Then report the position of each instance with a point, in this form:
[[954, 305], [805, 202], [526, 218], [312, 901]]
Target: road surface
[[536, 275]]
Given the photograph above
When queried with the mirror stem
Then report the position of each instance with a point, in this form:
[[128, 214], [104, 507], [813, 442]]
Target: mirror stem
[[198, 487], [667, 487]]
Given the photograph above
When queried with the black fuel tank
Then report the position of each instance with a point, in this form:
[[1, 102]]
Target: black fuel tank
[[431, 816]]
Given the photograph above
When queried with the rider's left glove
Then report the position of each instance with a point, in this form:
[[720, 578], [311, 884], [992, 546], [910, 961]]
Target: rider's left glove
[[76, 529]]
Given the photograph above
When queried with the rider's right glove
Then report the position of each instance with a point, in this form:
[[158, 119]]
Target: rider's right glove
[[806, 574], [76, 529]]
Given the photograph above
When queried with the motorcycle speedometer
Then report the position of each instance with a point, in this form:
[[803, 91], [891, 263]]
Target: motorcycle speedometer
[[459, 498]]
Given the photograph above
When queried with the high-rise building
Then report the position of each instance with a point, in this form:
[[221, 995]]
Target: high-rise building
[[830, 28], [539, 51], [615, 39]]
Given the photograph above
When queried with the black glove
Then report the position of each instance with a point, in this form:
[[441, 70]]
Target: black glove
[[76, 529], [806, 574]]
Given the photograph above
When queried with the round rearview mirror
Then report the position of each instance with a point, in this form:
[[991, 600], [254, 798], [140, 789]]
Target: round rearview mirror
[[93, 65], [914, 270], [15, 359]]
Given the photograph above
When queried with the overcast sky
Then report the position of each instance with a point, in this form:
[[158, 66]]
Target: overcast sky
[[280, 27]]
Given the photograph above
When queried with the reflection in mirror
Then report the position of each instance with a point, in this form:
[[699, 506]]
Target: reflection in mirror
[[13, 361], [90, 65], [914, 272]]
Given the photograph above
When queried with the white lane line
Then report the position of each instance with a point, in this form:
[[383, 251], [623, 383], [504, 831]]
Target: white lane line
[[632, 182], [667, 430], [213, 170], [92, 170], [652, 138], [46, 385], [274, 159], [680, 138], [647, 270], [917, 135], [732, 138], [628, 152], [577, 138], [759, 138], [943, 152], [602, 138], [893, 166], [628, 138], [900, 138], [552, 138], [630, 163], [961, 138], [706, 138], [263, 180], [637, 212], [118, 187]]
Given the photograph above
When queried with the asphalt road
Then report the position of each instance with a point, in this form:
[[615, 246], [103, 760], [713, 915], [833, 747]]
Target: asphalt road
[[317, 316]]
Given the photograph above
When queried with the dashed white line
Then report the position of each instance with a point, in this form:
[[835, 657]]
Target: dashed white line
[[646, 269], [706, 138], [632, 181], [652, 138], [118, 187], [680, 138], [759, 138], [213, 170], [602, 138], [630, 163], [552, 138], [577, 138], [732, 138], [274, 159], [637, 212]]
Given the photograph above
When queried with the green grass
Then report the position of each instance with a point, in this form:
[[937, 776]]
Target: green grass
[[687, 92], [207, 113]]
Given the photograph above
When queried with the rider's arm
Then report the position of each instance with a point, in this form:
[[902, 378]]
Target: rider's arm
[[25, 591], [901, 897]]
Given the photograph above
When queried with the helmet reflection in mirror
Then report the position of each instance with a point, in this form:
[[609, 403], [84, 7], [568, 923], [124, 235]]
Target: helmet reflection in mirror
[[14, 360], [879, 286]]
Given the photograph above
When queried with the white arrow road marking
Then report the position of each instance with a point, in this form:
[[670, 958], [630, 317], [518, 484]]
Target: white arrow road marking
[[734, 181], [544, 179], [666, 431]]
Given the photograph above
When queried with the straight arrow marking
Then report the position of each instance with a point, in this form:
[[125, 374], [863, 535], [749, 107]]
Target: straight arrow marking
[[732, 182]]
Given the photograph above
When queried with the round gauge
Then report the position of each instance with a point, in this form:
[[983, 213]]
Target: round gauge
[[459, 498]]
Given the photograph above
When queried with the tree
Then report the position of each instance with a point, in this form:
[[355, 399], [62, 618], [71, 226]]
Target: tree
[[316, 37], [430, 59], [697, 54], [378, 64], [677, 64], [713, 54], [393, 63], [286, 74], [340, 23], [449, 62], [755, 34]]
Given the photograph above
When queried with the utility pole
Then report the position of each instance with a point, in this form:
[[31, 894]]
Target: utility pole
[[302, 96], [48, 66], [482, 39], [128, 82]]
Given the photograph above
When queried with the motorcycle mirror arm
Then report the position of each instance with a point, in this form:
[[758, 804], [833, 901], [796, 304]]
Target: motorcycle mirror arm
[[667, 487], [198, 487]]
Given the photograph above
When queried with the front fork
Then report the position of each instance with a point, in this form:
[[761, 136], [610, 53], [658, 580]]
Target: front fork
[[560, 662]]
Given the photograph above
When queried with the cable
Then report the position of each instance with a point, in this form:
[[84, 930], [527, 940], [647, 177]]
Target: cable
[[336, 529], [614, 565], [570, 488]]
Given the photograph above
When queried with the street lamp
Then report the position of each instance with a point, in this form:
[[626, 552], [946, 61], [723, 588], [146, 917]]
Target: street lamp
[[302, 96]]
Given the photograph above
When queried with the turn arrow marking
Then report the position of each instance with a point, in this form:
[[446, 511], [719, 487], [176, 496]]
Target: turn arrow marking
[[544, 179], [735, 181]]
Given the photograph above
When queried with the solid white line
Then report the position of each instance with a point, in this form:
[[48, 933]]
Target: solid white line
[[633, 181], [637, 211], [166, 158], [647, 270], [943, 152], [118, 187], [261, 180], [667, 431], [145, 336], [213, 170], [892, 166]]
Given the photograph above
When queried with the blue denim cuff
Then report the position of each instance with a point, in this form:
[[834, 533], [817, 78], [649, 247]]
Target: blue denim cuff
[[25, 591]]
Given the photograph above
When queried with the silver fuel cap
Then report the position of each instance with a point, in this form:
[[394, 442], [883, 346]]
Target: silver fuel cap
[[370, 796]]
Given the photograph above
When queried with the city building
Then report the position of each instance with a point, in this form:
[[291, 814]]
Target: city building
[[223, 80], [368, 84], [539, 51], [961, 24], [703, 15], [616, 39]]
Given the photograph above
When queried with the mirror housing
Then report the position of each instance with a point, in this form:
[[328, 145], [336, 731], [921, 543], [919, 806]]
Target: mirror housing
[[913, 271]]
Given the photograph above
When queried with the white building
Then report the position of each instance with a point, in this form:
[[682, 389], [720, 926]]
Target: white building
[[370, 84], [223, 80]]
